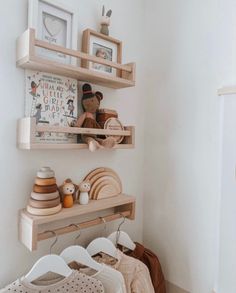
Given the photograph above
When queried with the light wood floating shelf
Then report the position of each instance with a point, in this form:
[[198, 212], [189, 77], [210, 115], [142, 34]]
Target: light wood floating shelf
[[230, 90], [32, 228], [28, 59], [27, 129]]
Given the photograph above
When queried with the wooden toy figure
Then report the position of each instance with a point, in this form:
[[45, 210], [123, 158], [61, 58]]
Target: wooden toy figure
[[68, 189], [105, 23], [84, 188], [90, 103]]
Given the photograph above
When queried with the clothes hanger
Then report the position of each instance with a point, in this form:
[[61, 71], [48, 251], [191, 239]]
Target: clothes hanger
[[122, 238], [102, 244], [80, 255], [49, 263]]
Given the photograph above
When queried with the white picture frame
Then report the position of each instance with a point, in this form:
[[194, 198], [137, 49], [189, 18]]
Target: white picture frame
[[99, 47], [55, 23], [102, 46]]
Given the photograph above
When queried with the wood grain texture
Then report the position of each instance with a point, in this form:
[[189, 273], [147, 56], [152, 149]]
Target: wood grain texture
[[27, 59], [44, 181], [26, 129], [45, 189], [44, 204], [43, 212], [44, 196], [30, 225]]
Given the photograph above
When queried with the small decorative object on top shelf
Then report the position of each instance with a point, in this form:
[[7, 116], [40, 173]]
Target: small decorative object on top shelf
[[104, 183], [55, 24], [91, 103], [44, 199], [105, 22], [84, 188], [68, 193], [104, 47]]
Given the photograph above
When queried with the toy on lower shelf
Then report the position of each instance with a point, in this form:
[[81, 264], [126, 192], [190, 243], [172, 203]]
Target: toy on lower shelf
[[68, 192], [45, 198], [104, 183], [84, 188]]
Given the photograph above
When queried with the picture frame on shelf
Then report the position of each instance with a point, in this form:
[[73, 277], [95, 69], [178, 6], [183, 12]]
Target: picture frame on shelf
[[102, 46], [55, 23]]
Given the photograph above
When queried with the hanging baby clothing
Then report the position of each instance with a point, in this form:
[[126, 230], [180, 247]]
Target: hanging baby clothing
[[151, 261], [135, 273], [112, 280], [76, 282]]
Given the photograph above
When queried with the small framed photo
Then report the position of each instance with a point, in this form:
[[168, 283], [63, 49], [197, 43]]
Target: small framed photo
[[104, 47], [56, 24]]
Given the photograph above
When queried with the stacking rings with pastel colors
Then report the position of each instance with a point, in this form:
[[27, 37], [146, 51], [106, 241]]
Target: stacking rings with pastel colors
[[44, 196], [45, 189], [45, 181], [43, 212]]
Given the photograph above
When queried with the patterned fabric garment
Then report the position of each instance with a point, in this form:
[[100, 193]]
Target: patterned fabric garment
[[76, 282], [151, 261], [111, 279], [136, 275]]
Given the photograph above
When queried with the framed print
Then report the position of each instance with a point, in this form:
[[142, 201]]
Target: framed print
[[56, 24], [101, 46]]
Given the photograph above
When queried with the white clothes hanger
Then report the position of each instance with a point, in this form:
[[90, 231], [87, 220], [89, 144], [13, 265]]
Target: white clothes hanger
[[81, 256], [122, 238], [102, 244], [49, 263]]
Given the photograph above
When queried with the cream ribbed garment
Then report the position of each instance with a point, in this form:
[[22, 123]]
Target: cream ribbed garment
[[136, 275]]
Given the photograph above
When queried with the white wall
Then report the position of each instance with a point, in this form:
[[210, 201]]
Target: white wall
[[18, 168], [227, 281], [190, 56]]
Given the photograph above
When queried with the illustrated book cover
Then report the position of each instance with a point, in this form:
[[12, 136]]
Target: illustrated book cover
[[51, 100]]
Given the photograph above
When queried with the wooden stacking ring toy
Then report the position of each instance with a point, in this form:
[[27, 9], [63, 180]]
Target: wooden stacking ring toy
[[45, 181], [43, 204], [43, 212], [45, 172], [44, 196], [45, 189]]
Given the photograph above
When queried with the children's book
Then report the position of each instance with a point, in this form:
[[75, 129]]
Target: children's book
[[51, 100]]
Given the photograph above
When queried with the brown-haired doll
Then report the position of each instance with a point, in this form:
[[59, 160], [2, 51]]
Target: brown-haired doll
[[90, 103]]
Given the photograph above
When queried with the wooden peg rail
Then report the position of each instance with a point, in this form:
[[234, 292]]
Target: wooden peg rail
[[32, 228], [84, 225]]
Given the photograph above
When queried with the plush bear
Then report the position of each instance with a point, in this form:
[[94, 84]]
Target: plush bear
[[90, 103]]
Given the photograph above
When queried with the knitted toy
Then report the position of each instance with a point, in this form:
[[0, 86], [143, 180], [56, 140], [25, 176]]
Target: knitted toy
[[90, 103]]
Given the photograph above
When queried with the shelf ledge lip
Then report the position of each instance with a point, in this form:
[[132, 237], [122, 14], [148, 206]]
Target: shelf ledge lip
[[227, 90]]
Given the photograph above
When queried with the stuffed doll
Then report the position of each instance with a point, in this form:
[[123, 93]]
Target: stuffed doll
[[90, 103]]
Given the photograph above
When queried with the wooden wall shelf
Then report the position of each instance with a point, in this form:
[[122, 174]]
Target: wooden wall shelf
[[33, 228], [28, 59], [27, 129], [230, 90]]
